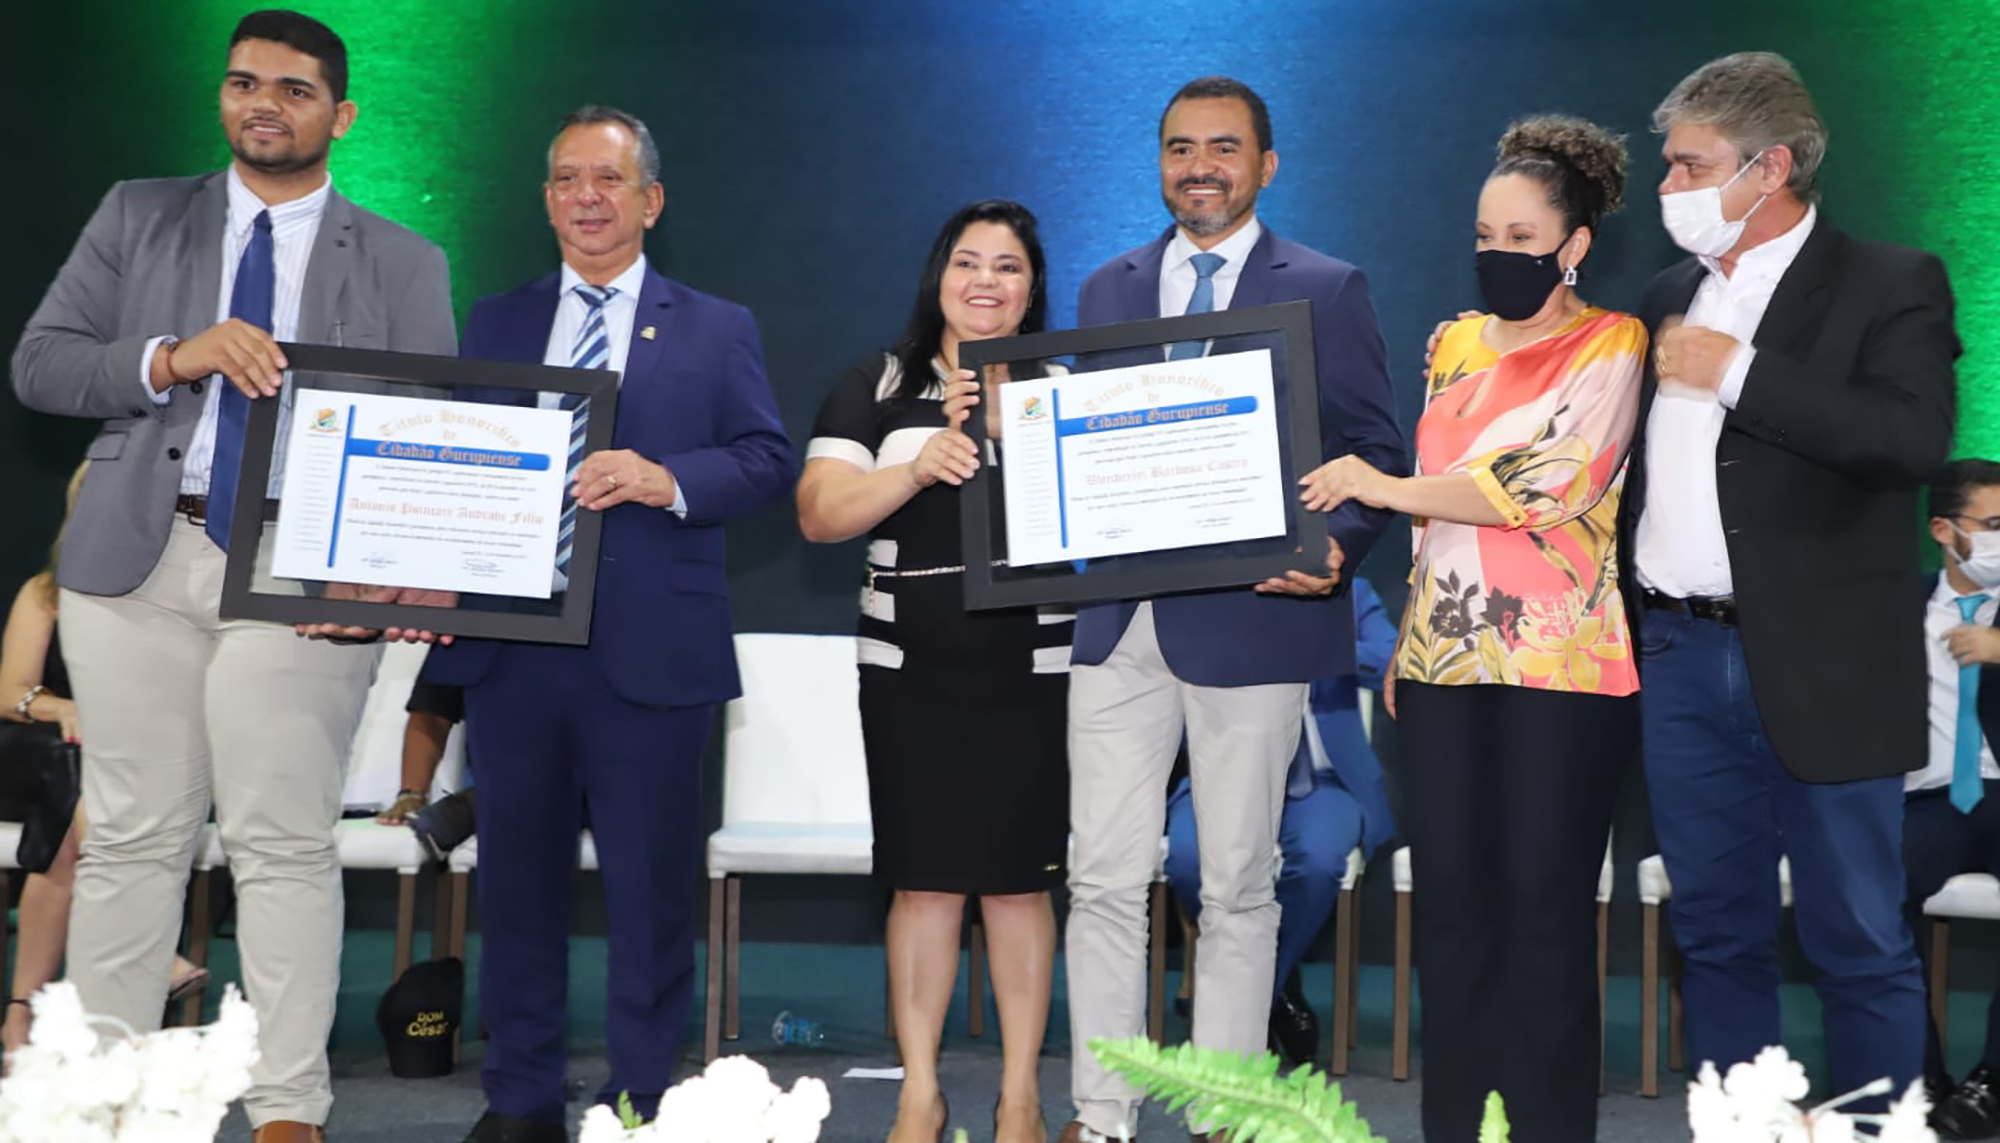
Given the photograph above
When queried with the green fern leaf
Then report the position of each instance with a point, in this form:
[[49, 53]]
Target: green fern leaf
[[1224, 1091], [1493, 1128], [627, 1117]]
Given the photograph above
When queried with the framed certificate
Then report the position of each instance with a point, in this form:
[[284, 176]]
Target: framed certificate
[[404, 490], [1142, 459]]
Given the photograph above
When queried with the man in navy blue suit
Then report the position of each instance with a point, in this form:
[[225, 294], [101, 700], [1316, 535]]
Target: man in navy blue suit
[[611, 734], [1951, 809], [1230, 667], [1335, 801]]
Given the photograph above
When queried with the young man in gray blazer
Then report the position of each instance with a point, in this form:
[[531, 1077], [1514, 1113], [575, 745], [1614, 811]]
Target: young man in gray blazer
[[164, 324]]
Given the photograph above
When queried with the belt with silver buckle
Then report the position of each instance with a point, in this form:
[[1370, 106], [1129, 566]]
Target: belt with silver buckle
[[1718, 609]]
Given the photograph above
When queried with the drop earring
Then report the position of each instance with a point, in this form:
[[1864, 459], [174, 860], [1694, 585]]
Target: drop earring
[[1569, 276]]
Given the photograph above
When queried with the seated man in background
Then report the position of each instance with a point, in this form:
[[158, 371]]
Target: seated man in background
[[1334, 801], [1951, 814], [434, 708]]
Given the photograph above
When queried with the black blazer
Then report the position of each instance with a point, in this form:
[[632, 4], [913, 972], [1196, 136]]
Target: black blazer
[[1845, 416]]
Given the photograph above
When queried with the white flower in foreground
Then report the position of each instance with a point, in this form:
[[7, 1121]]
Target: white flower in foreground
[[795, 1116], [601, 1125], [1772, 1078], [1908, 1120], [61, 1026], [733, 1101]]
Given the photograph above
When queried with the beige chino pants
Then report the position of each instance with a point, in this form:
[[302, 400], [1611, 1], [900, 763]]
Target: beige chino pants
[[180, 708], [1126, 716]]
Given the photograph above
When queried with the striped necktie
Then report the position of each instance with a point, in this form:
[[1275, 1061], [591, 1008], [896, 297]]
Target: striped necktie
[[250, 299], [1966, 786], [1202, 301], [591, 350]]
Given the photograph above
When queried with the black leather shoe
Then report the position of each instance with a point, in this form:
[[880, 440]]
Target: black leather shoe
[[1972, 1110], [1294, 1028], [494, 1127]]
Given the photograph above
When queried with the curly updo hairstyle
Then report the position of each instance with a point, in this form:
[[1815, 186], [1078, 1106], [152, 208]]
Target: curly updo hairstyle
[[1581, 165]]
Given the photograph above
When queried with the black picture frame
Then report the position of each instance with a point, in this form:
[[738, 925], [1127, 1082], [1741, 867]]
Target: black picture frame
[[991, 582], [385, 372]]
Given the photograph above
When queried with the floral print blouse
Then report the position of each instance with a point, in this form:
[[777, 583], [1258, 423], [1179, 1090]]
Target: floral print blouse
[[1543, 430]]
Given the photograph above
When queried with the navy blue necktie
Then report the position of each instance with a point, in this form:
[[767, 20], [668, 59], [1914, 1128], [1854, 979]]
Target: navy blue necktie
[[1202, 301], [250, 300]]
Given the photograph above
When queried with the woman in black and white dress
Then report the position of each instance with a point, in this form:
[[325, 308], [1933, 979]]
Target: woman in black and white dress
[[963, 712]]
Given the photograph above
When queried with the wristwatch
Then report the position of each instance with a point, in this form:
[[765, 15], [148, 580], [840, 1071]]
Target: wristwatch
[[28, 700]]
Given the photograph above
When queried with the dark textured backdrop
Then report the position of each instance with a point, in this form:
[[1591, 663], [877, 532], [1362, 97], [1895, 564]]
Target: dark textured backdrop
[[811, 149]]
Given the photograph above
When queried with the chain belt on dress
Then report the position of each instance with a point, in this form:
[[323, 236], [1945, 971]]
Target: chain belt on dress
[[875, 573]]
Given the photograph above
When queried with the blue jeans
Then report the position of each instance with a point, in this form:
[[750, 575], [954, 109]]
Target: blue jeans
[[1725, 809], [1315, 833]]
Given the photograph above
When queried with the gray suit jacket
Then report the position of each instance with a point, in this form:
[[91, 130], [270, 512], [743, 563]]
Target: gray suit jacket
[[150, 263]]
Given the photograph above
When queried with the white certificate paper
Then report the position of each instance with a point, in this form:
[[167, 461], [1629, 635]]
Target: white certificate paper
[[413, 492], [1141, 459]]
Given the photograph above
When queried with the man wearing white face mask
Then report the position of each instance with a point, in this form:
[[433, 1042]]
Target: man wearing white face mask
[[1799, 397], [1951, 817]]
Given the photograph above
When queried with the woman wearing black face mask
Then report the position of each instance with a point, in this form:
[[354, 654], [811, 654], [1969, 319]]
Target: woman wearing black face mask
[[1514, 672]]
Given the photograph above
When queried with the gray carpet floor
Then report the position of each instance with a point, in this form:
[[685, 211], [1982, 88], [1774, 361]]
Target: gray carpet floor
[[842, 987]]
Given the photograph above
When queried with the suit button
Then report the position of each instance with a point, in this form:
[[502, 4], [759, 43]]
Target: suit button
[[173, 454], [194, 387]]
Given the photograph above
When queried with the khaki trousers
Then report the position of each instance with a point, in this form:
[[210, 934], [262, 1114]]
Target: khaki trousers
[[180, 708], [1126, 716]]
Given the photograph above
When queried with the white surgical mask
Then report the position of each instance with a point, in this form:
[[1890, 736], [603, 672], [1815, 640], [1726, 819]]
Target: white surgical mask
[[1693, 218], [1983, 565]]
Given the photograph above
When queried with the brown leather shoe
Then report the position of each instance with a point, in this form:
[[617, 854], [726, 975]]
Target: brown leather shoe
[[1076, 1132], [288, 1131]]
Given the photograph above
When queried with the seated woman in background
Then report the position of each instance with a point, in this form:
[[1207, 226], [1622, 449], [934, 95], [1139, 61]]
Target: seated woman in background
[[35, 702], [1515, 667], [963, 714]]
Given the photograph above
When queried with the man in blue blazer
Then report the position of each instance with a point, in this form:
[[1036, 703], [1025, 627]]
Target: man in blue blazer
[[1951, 809], [611, 734], [1335, 801], [1230, 667]]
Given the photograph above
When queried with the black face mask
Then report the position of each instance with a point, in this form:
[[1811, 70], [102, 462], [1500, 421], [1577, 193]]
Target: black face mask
[[1516, 286]]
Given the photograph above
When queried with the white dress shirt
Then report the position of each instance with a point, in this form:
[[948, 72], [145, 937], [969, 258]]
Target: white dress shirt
[[294, 226], [1681, 550], [1177, 276], [619, 311], [1940, 616]]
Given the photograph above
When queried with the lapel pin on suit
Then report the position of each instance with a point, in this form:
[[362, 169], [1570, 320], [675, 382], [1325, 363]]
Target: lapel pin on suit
[[647, 333]]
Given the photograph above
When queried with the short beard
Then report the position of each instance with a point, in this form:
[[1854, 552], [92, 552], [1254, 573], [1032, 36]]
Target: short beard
[[290, 164], [1204, 225]]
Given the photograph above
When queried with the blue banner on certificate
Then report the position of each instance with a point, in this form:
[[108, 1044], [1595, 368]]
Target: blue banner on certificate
[[408, 492], [1142, 459]]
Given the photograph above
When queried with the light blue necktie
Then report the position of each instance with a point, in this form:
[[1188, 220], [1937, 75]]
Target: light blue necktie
[[1202, 301], [250, 299], [1966, 786], [591, 350]]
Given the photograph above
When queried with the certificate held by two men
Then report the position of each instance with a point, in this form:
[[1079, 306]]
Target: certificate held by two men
[[403, 490], [1163, 457]]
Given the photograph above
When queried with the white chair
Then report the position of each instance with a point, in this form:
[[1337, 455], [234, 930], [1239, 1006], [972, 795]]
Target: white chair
[[1968, 896], [794, 791], [374, 770], [1655, 890], [1405, 890]]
